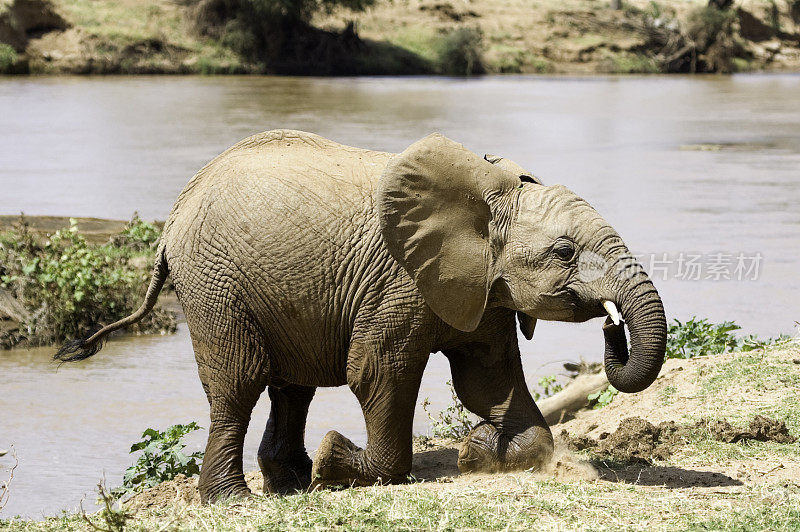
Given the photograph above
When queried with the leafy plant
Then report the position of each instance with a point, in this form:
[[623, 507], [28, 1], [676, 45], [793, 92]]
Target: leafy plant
[[64, 285], [700, 337], [162, 458], [603, 397], [138, 235], [453, 422], [549, 387], [712, 32]]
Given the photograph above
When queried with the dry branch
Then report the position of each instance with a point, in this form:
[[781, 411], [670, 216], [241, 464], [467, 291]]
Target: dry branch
[[4, 488], [572, 398]]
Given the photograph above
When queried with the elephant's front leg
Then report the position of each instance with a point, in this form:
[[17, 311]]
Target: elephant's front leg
[[514, 435], [386, 384]]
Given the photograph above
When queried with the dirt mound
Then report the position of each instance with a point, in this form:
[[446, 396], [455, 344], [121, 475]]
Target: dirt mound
[[182, 490], [761, 429], [636, 440]]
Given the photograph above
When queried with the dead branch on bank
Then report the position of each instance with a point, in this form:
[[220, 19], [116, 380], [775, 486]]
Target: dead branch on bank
[[5, 487]]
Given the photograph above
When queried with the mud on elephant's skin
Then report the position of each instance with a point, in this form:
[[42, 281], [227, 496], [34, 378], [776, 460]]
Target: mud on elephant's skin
[[303, 263]]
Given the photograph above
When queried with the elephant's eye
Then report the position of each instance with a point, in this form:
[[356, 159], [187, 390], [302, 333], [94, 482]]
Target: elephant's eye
[[564, 250]]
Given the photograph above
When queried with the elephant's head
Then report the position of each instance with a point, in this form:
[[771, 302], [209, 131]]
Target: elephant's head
[[474, 232]]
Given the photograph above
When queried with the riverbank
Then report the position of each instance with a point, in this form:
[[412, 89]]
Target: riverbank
[[723, 472], [407, 37]]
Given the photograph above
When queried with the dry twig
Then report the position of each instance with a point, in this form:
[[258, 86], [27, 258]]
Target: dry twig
[[115, 519], [5, 493]]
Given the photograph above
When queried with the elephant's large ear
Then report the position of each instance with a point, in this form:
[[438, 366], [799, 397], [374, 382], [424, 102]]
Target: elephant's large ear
[[436, 222], [514, 168]]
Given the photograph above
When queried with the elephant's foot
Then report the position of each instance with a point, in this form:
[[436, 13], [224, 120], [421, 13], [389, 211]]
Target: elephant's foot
[[213, 495], [286, 476], [339, 462], [487, 450]]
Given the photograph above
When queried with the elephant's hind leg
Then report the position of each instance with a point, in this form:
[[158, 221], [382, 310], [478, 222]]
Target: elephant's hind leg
[[234, 377], [282, 455]]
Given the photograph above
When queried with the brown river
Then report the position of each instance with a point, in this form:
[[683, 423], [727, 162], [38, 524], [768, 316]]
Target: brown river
[[701, 176]]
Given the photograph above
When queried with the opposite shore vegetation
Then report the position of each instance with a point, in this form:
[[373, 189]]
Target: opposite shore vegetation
[[397, 37]]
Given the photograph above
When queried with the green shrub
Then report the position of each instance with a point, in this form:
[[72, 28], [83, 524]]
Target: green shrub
[[460, 52], [700, 337], [8, 58], [708, 22], [67, 285], [603, 397], [549, 387], [138, 235], [541, 65], [774, 17], [453, 422], [713, 33], [162, 458], [261, 30], [631, 63]]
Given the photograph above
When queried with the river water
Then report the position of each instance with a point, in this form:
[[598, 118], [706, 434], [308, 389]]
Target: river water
[[701, 175]]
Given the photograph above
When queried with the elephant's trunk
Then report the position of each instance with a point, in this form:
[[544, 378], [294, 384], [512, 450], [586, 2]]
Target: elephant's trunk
[[643, 312]]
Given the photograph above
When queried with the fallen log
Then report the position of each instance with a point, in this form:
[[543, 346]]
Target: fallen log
[[572, 398]]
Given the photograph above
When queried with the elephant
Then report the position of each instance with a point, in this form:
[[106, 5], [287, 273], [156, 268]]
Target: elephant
[[303, 263]]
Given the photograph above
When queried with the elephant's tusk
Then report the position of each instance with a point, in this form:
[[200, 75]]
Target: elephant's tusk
[[611, 308]]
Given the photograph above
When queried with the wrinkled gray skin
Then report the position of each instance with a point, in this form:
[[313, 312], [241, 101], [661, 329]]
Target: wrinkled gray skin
[[302, 263]]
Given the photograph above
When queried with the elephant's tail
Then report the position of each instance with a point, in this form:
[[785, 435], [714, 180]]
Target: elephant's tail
[[83, 348]]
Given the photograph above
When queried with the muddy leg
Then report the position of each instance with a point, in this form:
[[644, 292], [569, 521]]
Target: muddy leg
[[387, 399], [282, 454]]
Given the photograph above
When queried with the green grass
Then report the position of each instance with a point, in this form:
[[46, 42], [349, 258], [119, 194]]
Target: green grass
[[457, 52], [507, 59], [765, 382], [418, 40], [754, 517], [667, 395], [8, 57], [125, 22], [117, 25], [630, 63], [754, 383], [522, 505], [704, 450]]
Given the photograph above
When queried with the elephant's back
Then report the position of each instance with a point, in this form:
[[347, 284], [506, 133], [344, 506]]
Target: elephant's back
[[286, 176]]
